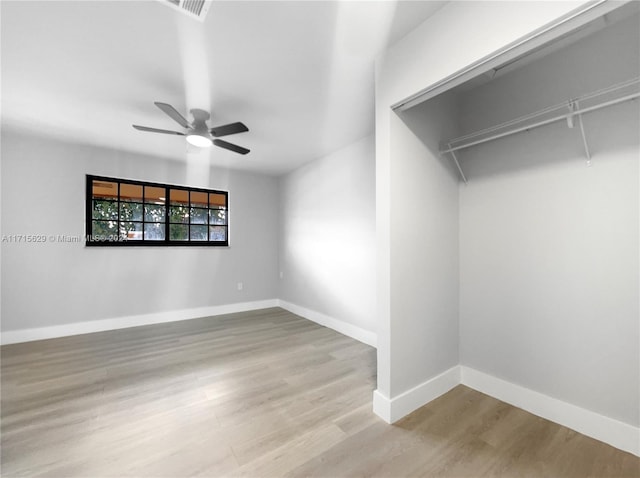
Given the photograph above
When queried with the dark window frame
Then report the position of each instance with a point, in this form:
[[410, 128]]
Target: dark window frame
[[167, 241]]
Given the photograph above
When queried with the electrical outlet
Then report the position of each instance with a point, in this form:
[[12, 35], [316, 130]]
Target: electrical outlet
[[281, 274], [240, 285]]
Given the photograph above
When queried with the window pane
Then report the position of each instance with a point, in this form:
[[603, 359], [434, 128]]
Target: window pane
[[130, 211], [153, 213], [104, 230], [179, 214], [198, 199], [179, 196], [217, 233], [198, 216], [217, 200], [217, 216], [178, 232], [154, 232], [130, 192], [124, 210], [154, 195], [104, 189], [131, 231], [198, 233], [104, 209]]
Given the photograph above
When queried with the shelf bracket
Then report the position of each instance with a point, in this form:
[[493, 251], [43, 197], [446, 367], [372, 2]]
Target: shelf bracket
[[455, 160], [584, 137], [572, 109], [573, 106]]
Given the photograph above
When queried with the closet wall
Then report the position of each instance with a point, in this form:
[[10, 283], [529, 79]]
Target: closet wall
[[424, 240], [549, 259]]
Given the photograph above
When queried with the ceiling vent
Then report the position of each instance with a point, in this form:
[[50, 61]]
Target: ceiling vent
[[192, 8]]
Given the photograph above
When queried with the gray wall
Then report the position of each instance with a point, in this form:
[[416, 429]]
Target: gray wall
[[424, 247], [549, 272], [43, 192], [327, 237]]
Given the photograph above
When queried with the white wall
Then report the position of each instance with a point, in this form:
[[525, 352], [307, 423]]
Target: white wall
[[43, 192], [424, 247], [549, 247], [458, 35], [327, 237]]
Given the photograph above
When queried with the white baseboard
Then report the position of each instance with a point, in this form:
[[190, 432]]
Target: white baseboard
[[615, 433], [392, 410], [608, 430], [338, 325], [77, 328], [382, 406]]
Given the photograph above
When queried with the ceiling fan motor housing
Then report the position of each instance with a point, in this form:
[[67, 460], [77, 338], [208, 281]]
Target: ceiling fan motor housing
[[200, 115]]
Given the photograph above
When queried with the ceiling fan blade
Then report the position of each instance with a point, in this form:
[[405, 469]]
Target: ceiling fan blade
[[228, 129], [231, 147], [156, 130], [173, 114]]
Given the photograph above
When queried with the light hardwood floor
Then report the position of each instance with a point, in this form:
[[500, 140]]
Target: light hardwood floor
[[263, 394]]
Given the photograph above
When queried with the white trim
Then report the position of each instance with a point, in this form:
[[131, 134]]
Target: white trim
[[76, 328], [345, 328], [382, 406], [528, 43], [608, 430], [392, 410], [618, 434]]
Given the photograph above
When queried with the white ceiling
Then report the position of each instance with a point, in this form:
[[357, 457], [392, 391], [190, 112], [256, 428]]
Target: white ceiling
[[299, 74]]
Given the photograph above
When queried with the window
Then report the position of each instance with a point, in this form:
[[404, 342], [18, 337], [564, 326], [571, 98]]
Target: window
[[121, 212]]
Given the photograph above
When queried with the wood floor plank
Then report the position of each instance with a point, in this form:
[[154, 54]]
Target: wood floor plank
[[257, 394]]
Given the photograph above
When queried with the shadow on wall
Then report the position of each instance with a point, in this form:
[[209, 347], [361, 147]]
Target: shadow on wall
[[607, 131], [433, 122]]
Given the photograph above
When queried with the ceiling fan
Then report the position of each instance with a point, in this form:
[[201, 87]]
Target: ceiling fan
[[198, 133]]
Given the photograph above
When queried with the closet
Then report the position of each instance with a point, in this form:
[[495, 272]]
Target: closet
[[546, 148], [586, 70]]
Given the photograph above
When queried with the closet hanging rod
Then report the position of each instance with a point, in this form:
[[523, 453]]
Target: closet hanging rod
[[543, 123], [521, 119]]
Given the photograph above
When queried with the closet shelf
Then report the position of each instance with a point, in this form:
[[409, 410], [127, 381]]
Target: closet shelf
[[573, 111]]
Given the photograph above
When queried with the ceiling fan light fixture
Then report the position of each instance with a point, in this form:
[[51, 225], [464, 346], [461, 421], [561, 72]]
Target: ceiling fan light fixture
[[199, 140]]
